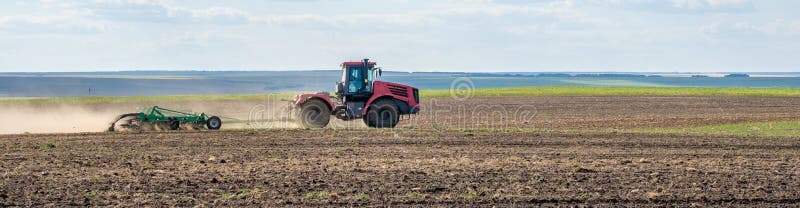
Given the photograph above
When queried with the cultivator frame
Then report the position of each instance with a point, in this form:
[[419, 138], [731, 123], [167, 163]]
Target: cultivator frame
[[172, 118]]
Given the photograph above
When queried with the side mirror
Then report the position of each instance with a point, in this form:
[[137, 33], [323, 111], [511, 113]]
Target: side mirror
[[380, 71], [339, 88]]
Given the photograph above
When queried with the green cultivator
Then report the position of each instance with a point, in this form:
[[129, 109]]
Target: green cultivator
[[161, 118]]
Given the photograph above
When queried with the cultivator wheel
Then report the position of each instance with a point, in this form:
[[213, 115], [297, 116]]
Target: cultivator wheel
[[213, 123], [174, 124]]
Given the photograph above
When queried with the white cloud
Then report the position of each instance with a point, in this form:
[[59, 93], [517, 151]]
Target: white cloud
[[728, 2], [445, 34], [66, 22], [679, 6], [776, 28], [690, 4], [158, 11], [714, 5]]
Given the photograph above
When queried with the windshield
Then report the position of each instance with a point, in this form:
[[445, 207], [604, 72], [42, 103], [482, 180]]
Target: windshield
[[356, 79]]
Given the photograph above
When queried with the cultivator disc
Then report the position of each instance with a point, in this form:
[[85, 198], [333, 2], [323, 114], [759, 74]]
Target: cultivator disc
[[126, 122], [158, 118]]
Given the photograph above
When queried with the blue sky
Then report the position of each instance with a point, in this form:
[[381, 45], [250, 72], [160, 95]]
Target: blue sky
[[407, 35]]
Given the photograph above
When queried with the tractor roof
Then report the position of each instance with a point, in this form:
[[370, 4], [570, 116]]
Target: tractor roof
[[357, 63]]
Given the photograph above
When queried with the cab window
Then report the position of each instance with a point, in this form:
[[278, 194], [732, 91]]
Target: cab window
[[356, 81]]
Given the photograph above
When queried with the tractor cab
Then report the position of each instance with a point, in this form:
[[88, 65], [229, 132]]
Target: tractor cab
[[357, 78], [356, 88]]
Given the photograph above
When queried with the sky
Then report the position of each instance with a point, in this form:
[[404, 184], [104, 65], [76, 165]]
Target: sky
[[402, 35]]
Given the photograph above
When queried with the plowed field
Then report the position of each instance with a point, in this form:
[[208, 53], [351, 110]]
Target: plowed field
[[425, 162]]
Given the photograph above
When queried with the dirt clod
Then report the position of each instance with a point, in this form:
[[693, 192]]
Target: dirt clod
[[584, 170]]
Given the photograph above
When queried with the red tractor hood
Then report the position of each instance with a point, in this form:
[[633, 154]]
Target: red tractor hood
[[391, 83]]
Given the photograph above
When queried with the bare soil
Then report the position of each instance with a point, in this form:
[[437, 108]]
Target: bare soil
[[578, 112], [419, 166]]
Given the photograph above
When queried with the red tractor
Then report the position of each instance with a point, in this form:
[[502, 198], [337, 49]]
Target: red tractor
[[359, 96]]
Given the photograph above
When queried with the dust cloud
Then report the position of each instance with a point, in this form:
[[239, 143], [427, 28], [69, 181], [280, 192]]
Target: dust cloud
[[266, 113], [53, 119]]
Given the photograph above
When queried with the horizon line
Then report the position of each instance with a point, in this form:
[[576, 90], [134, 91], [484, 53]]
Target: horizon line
[[401, 71]]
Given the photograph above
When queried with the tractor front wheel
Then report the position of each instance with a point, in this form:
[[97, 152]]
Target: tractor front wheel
[[213, 123], [382, 114], [314, 114]]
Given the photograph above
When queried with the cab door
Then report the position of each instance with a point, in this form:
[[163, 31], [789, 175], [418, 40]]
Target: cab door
[[358, 81]]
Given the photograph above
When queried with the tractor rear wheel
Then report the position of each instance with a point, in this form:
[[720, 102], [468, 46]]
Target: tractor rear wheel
[[315, 114], [213, 123], [382, 114]]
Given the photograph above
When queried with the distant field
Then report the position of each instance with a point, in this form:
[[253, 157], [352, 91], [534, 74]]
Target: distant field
[[481, 92], [129, 99], [746, 129], [157, 83], [622, 91], [734, 127], [740, 129]]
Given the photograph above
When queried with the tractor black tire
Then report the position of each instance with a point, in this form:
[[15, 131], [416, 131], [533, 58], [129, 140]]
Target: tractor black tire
[[382, 114], [174, 124], [213, 123], [314, 114]]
